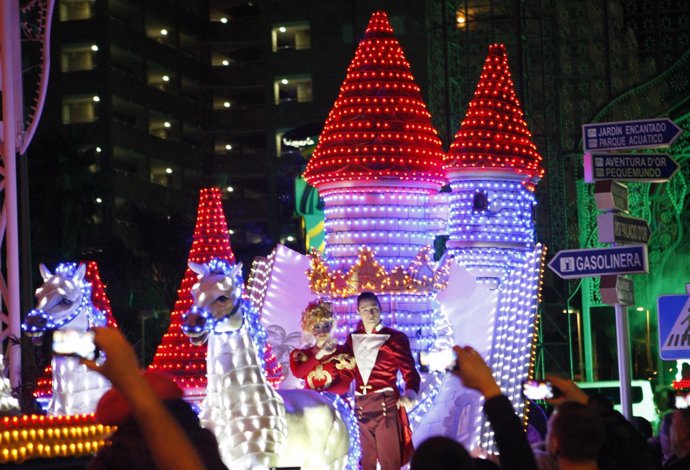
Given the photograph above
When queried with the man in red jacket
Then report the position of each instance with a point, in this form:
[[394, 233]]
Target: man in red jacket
[[380, 352]]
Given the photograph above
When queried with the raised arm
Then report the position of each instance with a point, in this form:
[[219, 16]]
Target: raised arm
[[169, 445], [515, 451]]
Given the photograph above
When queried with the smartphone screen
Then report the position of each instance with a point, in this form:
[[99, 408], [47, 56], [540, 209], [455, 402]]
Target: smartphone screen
[[538, 390], [74, 343], [434, 361], [682, 400]]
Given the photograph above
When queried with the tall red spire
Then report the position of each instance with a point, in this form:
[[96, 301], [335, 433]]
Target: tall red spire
[[176, 356], [379, 127], [494, 134]]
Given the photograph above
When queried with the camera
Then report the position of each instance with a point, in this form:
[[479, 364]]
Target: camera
[[539, 390], [75, 343], [682, 399], [435, 361]]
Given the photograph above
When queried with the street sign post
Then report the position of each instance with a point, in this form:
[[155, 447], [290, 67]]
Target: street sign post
[[573, 264], [641, 168], [674, 326], [641, 134], [617, 290], [611, 195], [622, 229]]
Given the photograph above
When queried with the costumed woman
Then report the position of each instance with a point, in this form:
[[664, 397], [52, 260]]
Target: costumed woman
[[326, 366]]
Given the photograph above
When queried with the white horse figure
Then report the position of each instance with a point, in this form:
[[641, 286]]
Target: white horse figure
[[64, 302], [257, 426]]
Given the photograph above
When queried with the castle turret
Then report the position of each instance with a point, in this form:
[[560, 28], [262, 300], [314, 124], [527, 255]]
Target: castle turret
[[378, 163], [492, 166], [378, 159]]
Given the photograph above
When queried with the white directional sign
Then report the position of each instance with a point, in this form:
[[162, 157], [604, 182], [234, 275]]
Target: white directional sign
[[641, 134], [674, 326], [573, 264]]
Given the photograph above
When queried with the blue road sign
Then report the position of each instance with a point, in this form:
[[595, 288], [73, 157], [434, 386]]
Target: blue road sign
[[674, 326], [642, 134], [572, 264], [653, 168]]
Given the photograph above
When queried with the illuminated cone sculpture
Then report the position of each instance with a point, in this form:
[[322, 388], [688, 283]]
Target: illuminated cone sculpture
[[184, 362]]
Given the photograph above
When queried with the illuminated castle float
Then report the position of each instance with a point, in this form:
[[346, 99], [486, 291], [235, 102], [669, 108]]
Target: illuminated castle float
[[379, 167]]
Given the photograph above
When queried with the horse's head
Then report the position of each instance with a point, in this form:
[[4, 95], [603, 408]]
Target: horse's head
[[217, 297], [61, 298]]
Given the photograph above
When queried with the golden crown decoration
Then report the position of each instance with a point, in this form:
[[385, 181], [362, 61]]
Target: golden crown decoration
[[368, 275]]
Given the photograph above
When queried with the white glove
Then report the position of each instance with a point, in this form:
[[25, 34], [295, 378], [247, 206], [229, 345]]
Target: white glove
[[408, 399]]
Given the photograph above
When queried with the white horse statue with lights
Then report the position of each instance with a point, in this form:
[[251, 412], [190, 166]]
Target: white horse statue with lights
[[257, 426], [64, 302]]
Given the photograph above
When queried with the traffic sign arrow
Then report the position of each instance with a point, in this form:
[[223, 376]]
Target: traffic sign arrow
[[642, 134], [653, 167], [572, 264], [622, 229]]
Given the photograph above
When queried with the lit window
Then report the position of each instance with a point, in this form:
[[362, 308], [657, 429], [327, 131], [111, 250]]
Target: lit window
[[221, 60], [223, 146], [222, 102], [71, 10], [292, 89], [162, 127], [77, 58], [291, 37], [161, 78], [162, 173], [78, 109]]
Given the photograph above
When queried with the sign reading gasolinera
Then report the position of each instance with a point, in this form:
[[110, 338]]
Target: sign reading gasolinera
[[572, 264]]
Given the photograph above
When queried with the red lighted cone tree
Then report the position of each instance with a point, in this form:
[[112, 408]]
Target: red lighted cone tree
[[176, 356], [44, 385], [379, 127], [494, 134]]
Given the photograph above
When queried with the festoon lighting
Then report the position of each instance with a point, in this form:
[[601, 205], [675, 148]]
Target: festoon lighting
[[493, 166], [184, 362], [377, 164]]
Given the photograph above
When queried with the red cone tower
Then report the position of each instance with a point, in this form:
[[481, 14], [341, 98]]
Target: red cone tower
[[176, 356], [494, 135], [379, 127]]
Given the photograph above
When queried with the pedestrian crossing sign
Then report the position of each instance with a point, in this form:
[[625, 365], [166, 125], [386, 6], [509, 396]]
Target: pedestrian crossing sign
[[674, 326]]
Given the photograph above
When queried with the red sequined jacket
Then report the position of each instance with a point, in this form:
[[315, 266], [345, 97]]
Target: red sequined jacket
[[332, 373], [393, 355]]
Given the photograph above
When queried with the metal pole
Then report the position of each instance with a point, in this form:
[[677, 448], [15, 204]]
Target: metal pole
[[580, 353], [12, 125], [623, 360]]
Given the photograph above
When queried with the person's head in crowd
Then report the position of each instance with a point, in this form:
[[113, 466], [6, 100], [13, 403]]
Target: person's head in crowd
[[441, 453], [576, 433], [127, 449], [643, 426], [318, 320], [680, 433]]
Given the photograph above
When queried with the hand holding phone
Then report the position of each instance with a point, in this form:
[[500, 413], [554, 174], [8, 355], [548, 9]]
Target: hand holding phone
[[437, 361], [74, 343], [539, 390]]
